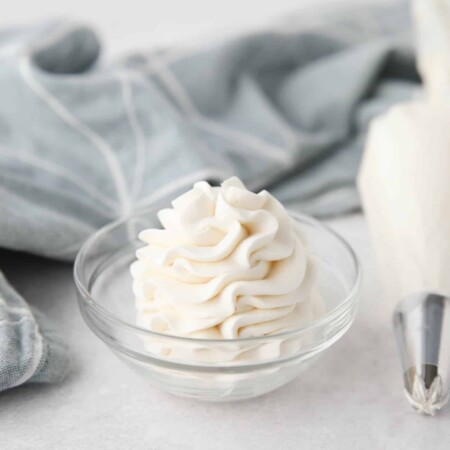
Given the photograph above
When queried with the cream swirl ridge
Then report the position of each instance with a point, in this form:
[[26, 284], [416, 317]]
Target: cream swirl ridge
[[228, 263]]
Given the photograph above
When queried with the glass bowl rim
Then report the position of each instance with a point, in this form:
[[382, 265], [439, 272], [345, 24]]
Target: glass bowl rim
[[90, 302]]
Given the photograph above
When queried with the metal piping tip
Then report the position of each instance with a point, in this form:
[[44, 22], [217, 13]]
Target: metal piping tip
[[422, 328], [426, 399]]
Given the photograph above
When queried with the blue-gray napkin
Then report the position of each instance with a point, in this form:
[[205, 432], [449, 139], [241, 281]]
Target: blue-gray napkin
[[83, 143]]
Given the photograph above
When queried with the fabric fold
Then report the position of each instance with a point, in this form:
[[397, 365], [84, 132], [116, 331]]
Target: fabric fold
[[30, 349], [85, 141]]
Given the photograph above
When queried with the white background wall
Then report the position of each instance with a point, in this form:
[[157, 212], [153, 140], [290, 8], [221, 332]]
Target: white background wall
[[138, 23]]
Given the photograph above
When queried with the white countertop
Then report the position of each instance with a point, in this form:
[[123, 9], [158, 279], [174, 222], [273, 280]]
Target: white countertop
[[350, 399]]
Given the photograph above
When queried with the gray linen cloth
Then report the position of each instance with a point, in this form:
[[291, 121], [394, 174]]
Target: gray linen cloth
[[83, 143]]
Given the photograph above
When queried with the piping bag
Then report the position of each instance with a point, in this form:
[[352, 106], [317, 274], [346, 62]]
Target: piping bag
[[404, 182]]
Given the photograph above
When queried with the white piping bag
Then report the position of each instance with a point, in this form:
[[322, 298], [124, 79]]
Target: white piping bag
[[404, 183]]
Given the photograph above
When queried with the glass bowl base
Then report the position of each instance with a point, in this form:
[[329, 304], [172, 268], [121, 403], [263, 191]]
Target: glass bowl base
[[223, 387]]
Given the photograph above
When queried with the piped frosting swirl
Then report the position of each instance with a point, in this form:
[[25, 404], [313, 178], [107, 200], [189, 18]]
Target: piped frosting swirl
[[228, 264]]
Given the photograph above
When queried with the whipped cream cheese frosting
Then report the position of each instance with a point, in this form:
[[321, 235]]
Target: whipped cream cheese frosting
[[227, 264]]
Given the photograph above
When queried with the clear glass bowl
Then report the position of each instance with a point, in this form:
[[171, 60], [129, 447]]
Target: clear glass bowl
[[106, 302]]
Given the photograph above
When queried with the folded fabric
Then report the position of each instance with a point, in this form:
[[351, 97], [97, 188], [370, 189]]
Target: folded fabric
[[84, 143], [30, 349]]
